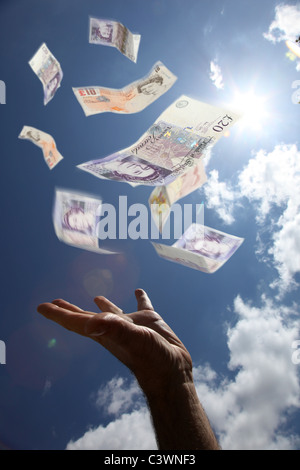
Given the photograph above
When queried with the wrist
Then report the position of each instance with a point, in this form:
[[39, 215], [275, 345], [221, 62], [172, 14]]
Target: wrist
[[179, 419]]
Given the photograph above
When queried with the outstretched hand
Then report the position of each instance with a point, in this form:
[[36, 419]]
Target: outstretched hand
[[141, 340]]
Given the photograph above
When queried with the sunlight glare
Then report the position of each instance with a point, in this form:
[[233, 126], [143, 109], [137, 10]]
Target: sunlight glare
[[253, 109]]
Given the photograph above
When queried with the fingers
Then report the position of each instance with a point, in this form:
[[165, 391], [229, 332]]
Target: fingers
[[64, 304], [143, 300], [106, 305], [71, 320]]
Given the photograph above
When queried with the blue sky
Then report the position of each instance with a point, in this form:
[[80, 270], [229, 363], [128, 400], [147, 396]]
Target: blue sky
[[61, 391]]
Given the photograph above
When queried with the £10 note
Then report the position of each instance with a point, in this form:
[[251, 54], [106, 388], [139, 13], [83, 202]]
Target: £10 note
[[130, 99], [45, 142], [49, 71], [112, 33]]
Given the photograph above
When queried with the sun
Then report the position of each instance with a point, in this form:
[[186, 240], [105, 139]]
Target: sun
[[252, 108]]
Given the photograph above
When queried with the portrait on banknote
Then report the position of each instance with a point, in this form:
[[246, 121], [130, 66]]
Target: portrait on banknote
[[52, 85], [75, 218], [48, 70], [101, 32], [78, 220], [151, 86], [112, 33], [127, 168], [214, 245]]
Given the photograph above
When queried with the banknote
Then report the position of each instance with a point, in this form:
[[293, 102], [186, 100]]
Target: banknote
[[49, 71], [130, 99], [112, 33], [178, 139], [162, 197], [75, 217], [201, 248], [45, 142]]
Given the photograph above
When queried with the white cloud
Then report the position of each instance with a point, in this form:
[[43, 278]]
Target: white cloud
[[216, 75], [248, 411], [131, 427], [220, 197], [271, 183], [132, 431], [286, 24], [117, 396], [272, 180], [286, 249]]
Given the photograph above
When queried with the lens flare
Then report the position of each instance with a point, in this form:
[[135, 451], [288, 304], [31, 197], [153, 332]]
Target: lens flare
[[51, 343], [293, 47]]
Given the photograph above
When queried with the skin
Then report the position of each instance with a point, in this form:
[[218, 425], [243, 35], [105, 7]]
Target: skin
[[160, 362]]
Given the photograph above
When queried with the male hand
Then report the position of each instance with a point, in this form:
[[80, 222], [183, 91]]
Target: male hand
[[141, 340]]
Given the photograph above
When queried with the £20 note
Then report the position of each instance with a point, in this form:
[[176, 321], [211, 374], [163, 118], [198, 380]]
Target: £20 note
[[49, 71], [178, 140], [114, 34], [201, 248], [75, 218]]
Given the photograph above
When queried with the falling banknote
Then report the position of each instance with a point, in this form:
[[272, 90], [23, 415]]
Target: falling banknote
[[130, 99], [75, 218], [112, 33], [45, 142], [178, 140], [201, 248], [162, 197], [48, 69]]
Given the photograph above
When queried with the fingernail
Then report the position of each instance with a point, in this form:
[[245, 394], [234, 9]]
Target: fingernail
[[139, 291]]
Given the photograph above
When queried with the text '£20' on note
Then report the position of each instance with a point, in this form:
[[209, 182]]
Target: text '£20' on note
[[178, 139]]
